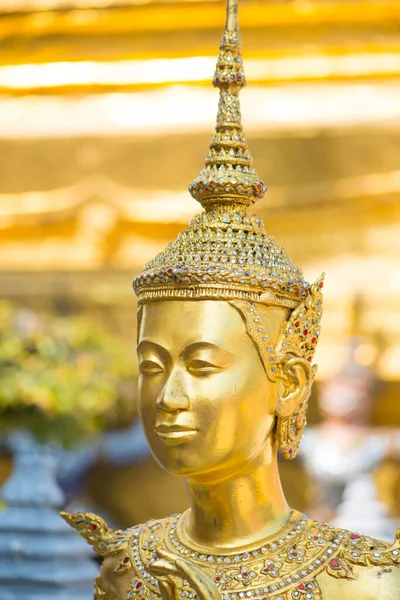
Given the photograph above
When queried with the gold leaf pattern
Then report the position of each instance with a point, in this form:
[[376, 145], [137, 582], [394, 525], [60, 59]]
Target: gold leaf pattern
[[95, 531]]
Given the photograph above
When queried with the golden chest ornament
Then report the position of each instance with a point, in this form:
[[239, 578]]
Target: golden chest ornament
[[285, 567]]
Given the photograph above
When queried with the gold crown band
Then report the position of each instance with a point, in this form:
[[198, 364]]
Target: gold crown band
[[204, 292]]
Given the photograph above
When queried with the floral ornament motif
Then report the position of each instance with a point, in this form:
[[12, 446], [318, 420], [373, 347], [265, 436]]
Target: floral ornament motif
[[245, 576], [312, 540], [271, 568], [296, 554], [307, 591], [221, 578]]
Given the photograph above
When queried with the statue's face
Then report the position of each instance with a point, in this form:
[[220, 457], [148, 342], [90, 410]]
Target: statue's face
[[205, 402]]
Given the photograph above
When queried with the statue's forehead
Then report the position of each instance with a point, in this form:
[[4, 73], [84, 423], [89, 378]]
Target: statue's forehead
[[184, 322]]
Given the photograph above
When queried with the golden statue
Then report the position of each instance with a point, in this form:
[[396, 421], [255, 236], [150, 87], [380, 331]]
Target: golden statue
[[227, 329]]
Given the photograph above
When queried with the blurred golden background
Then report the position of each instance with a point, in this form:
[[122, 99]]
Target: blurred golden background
[[106, 110]]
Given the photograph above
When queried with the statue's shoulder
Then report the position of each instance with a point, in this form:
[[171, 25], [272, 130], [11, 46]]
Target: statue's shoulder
[[124, 553], [359, 567]]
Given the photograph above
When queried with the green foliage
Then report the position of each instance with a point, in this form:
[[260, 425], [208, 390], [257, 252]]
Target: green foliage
[[64, 379]]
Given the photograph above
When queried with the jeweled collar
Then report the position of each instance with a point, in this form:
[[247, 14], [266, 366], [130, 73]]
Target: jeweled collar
[[293, 525]]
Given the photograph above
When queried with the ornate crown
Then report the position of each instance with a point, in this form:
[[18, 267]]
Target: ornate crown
[[225, 253]]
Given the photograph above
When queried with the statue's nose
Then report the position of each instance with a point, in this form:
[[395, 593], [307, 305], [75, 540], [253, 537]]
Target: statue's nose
[[174, 395]]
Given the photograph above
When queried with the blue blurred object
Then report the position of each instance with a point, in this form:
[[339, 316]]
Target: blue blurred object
[[39, 558]]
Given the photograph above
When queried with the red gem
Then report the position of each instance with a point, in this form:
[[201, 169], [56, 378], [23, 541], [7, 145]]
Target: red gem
[[315, 537], [245, 574], [93, 526], [321, 285], [259, 186], [270, 567], [309, 359], [335, 564], [314, 339], [290, 450], [238, 77], [218, 578], [294, 553], [169, 270], [301, 586], [297, 323], [138, 585], [354, 536], [305, 332], [126, 560]]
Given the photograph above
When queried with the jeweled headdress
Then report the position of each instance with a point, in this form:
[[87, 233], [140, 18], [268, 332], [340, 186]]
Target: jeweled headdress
[[225, 253]]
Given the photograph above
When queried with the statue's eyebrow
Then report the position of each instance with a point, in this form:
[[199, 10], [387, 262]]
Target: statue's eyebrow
[[150, 345], [196, 346]]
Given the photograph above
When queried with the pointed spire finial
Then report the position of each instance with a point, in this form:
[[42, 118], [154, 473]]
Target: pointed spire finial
[[228, 179], [231, 21]]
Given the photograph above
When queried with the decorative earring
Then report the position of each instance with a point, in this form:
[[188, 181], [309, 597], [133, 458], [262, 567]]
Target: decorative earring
[[290, 430], [298, 338]]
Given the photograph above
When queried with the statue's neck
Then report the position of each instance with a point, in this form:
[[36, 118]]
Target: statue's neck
[[240, 509]]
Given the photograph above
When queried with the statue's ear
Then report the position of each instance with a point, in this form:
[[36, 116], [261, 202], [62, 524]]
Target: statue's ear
[[293, 386], [293, 390]]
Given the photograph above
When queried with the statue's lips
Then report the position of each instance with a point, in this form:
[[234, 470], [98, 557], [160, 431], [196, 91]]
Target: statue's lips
[[174, 432]]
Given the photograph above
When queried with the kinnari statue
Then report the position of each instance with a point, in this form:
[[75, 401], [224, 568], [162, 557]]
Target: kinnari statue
[[227, 329]]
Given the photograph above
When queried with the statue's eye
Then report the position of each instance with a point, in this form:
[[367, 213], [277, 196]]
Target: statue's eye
[[150, 367], [201, 366]]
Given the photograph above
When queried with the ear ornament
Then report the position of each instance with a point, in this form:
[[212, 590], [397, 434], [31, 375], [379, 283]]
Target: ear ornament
[[298, 338]]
